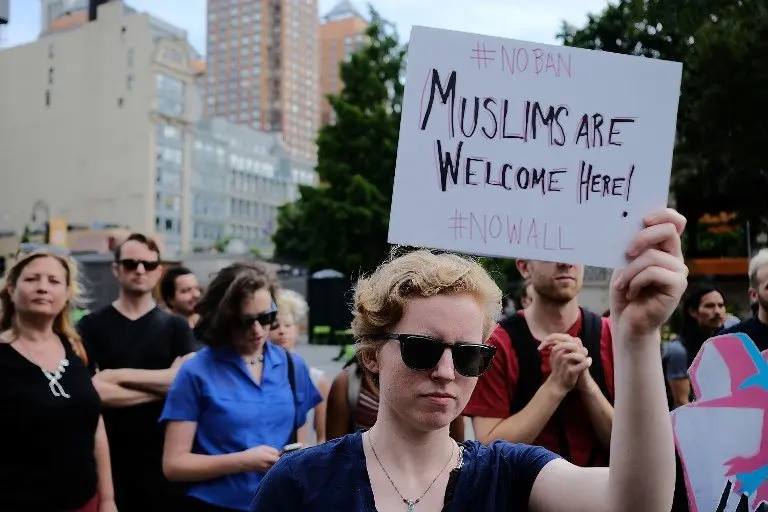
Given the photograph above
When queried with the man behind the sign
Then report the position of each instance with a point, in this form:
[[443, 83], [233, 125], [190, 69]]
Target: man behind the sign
[[551, 382]]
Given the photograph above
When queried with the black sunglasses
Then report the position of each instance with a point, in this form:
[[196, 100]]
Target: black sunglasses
[[266, 319], [422, 353], [149, 266]]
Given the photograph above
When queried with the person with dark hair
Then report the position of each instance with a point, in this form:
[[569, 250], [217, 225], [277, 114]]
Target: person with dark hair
[[138, 348], [234, 408], [180, 292], [703, 313]]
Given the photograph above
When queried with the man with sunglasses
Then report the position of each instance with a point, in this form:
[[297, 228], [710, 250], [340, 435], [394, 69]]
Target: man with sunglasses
[[138, 349], [551, 381]]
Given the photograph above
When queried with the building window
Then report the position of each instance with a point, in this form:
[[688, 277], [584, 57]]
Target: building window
[[50, 76], [129, 82], [47, 98], [129, 57], [170, 95], [50, 51]]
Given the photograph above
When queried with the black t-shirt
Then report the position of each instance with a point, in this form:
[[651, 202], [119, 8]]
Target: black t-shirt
[[151, 342], [754, 328], [47, 461]]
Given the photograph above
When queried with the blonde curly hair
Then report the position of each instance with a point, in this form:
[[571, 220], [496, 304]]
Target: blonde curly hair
[[380, 298], [291, 306]]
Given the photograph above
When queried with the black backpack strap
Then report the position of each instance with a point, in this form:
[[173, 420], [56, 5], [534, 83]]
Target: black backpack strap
[[292, 382], [591, 336], [528, 361]]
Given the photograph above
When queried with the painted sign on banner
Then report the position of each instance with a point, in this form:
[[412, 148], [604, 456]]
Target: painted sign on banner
[[722, 437], [516, 149]]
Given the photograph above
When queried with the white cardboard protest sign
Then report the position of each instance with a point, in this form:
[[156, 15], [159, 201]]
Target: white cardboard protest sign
[[722, 437], [516, 149]]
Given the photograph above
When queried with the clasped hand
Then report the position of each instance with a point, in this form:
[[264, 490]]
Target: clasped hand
[[643, 296], [569, 362]]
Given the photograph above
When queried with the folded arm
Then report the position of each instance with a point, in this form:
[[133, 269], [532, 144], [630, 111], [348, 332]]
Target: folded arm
[[151, 381], [114, 395]]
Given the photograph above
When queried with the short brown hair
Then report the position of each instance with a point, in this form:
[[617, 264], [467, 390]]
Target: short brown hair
[[219, 307], [142, 239]]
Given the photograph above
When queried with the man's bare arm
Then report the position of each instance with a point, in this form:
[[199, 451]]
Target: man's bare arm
[[526, 425], [113, 395], [156, 382], [598, 408]]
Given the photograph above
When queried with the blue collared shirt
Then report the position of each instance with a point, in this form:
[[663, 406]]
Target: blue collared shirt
[[233, 413]]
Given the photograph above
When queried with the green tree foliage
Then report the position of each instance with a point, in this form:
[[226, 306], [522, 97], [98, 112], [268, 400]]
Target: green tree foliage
[[343, 223], [719, 160]]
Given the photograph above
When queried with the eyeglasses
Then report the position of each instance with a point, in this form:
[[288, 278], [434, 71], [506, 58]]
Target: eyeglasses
[[422, 353], [266, 319], [149, 266]]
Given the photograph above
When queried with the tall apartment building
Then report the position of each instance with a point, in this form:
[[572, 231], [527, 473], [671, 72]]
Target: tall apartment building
[[262, 68], [341, 33], [98, 122]]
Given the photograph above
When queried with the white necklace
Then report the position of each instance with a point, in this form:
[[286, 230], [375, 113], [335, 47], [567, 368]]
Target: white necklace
[[53, 377]]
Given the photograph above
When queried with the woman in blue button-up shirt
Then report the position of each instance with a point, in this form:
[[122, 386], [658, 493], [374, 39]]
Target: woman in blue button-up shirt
[[232, 409]]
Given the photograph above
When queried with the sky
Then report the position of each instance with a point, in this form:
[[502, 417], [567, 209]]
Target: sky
[[536, 21]]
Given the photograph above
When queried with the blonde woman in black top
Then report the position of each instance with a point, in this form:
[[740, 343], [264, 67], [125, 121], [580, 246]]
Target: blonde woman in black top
[[55, 456]]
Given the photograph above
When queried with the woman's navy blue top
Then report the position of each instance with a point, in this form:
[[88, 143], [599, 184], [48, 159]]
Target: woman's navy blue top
[[233, 412], [333, 476]]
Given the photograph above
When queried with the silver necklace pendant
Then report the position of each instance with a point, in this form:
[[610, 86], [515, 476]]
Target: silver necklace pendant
[[54, 377]]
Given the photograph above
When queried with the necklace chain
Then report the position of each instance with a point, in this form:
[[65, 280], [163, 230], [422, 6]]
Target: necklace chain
[[411, 503], [253, 361]]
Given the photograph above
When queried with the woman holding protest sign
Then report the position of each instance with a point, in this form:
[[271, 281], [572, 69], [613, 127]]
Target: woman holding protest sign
[[421, 320]]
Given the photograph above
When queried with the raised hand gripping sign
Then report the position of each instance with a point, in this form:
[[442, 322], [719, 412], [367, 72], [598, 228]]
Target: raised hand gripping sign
[[515, 149], [722, 437]]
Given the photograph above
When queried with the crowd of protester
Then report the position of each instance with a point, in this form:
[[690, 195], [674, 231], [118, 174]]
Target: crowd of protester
[[194, 401]]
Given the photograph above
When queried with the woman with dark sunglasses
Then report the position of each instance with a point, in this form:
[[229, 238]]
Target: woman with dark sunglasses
[[421, 321], [235, 405]]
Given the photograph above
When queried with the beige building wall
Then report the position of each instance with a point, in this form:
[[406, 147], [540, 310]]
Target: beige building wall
[[78, 123]]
